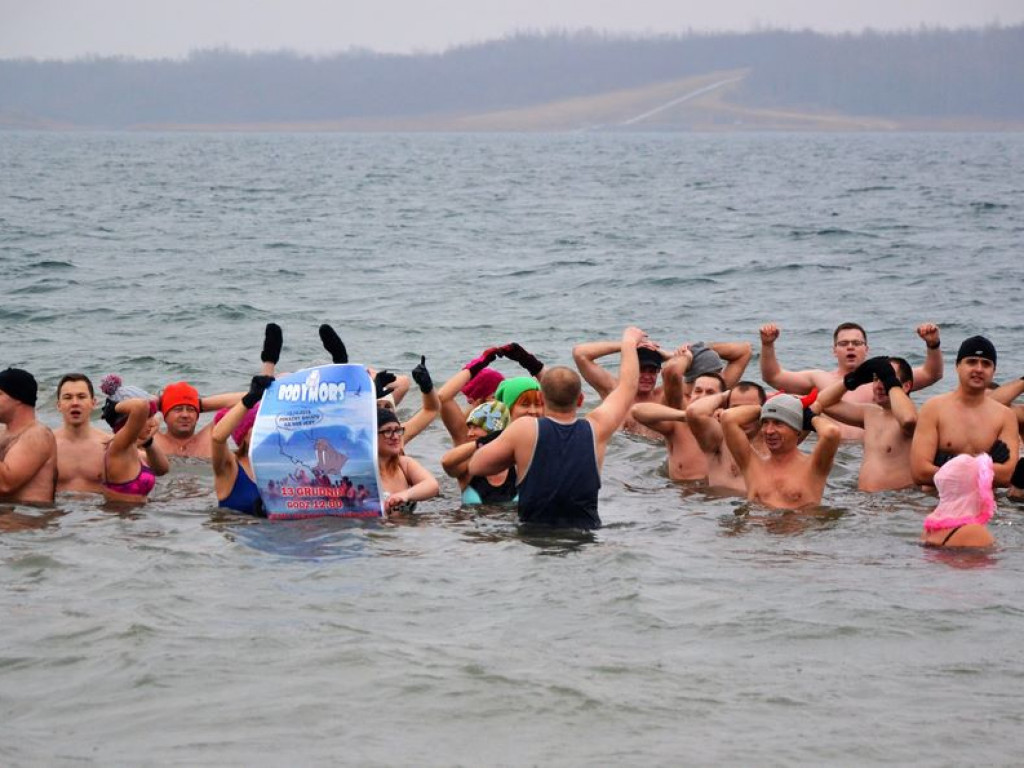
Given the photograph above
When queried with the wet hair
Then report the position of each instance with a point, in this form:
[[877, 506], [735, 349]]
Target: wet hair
[[903, 370], [68, 377], [848, 327], [717, 377], [746, 386], [561, 388]]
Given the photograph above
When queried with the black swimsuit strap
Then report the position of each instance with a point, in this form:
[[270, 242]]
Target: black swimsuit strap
[[950, 534]]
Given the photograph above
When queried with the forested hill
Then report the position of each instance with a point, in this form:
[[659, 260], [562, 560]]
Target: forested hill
[[779, 79]]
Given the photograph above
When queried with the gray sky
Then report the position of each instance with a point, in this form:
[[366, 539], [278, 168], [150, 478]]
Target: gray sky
[[157, 28]]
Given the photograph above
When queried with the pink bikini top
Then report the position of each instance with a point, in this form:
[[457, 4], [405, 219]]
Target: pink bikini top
[[140, 486]]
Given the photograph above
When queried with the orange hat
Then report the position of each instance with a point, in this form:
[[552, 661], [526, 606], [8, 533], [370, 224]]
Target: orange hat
[[179, 393]]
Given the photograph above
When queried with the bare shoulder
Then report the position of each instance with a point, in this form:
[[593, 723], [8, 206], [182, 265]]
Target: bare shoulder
[[39, 435], [936, 403], [822, 379]]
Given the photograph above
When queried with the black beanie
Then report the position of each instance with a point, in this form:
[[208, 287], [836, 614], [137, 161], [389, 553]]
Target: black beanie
[[386, 416], [977, 346], [19, 384]]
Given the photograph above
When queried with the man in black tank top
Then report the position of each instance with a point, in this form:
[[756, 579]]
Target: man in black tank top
[[558, 457]]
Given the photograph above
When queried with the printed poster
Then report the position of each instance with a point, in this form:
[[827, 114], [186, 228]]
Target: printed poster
[[314, 445]]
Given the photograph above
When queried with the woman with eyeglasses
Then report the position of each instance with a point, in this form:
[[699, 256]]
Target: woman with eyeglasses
[[403, 480]]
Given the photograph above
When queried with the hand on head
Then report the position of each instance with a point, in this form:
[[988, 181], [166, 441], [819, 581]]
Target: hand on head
[[633, 335], [876, 367]]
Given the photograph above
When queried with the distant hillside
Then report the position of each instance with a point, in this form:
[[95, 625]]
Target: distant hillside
[[764, 80]]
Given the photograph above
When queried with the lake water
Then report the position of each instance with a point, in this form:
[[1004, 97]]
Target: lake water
[[689, 630]]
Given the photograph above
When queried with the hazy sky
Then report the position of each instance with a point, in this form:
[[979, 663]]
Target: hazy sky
[[155, 28]]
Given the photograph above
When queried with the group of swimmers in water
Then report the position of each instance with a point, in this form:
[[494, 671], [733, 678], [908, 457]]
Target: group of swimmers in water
[[521, 441]]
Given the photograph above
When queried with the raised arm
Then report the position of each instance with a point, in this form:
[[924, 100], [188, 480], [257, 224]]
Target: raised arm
[[931, 371], [903, 409], [452, 417], [399, 388], [736, 355], [138, 412], [221, 457], [736, 439], [824, 454], [609, 415], [1009, 392], [585, 355], [431, 403], [672, 373], [453, 386], [700, 415], [216, 402], [516, 353], [658, 417], [794, 382], [830, 401]]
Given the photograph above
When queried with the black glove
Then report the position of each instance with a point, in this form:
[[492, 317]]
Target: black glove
[[999, 452], [515, 352], [257, 387], [333, 344], [941, 457], [808, 415], [864, 373], [885, 373], [421, 376], [486, 358], [272, 341], [1017, 481], [489, 437], [381, 380]]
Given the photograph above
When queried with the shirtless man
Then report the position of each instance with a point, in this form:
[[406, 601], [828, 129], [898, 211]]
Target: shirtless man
[[888, 423], [704, 417], [28, 452], [966, 420], [733, 356], [80, 446], [558, 457], [686, 460], [850, 347], [181, 405], [787, 478]]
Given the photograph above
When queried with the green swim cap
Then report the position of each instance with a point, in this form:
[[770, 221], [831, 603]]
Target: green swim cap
[[511, 390]]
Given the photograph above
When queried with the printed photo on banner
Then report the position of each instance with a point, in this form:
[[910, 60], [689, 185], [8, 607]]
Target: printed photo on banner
[[314, 445]]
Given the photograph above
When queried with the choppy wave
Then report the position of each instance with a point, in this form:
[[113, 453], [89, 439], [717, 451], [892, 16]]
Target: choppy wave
[[187, 635]]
